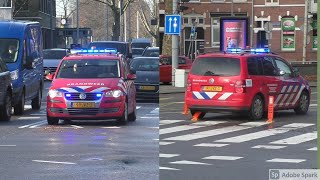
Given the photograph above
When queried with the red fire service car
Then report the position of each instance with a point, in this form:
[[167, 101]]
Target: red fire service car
[[92, 85], [243, 80]]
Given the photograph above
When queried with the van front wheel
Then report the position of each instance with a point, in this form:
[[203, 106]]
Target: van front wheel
[[19, 108], [36, 102]]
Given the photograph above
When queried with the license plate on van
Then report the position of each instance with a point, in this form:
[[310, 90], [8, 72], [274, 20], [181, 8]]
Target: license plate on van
[[83, 105], [212, 88]]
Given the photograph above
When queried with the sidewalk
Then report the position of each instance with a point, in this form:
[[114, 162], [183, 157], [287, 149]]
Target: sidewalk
[[169, 89]]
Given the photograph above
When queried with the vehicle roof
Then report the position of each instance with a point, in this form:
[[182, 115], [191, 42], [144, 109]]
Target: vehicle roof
[[13, 28], [233, 55], [152, 47], [144, 40], [144, 57], [102, 42], [92, 56], [56, 49], [138, 48]]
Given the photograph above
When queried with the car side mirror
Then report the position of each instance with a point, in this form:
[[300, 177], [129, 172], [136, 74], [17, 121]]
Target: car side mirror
[[46, 72], [130, 55], [29, 63], [281, 72], [296, 72], [131, 77], [49, 77]]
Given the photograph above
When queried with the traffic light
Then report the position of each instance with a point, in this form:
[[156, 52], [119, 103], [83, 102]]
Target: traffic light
[[181, 7]]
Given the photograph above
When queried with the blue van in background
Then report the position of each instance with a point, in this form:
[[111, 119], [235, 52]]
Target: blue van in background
[[21, 49]]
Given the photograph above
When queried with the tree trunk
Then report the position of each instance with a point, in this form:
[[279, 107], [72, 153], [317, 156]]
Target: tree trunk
[[116, 25], [167, 40]]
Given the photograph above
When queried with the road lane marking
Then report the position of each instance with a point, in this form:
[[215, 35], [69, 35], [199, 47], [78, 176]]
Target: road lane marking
[[155, 111], [215, 132], [264, 133], [313, 149], [313, 105], [167, 168], [35, 126], [268, 147], [165, 122], [7, 145], [26, 118], [151, 117], [162, 143], [210, 145], [138, 107], [54, 162], [286, 160], [75, 126], [189, 162], [225, 158], [156, 139], [168, 155], [39, 114], [188, 127], [297, 139], [32, 124], [111, 127]]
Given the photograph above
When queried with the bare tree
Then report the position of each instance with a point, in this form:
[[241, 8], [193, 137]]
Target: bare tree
[[167, 40]]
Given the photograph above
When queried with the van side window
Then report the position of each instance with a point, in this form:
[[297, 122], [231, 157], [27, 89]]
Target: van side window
[[24, 57], [254, 66], [282, 66], [268, 67]]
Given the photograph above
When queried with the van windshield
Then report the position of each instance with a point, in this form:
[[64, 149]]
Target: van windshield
[[9, 50], [216, 66]]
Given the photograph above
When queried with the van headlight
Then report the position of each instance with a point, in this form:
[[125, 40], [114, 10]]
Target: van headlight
[[14, 74], [114, 93], [54, 93]]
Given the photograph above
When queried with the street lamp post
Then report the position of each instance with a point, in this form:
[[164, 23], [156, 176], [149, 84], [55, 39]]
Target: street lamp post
[[77, 22]]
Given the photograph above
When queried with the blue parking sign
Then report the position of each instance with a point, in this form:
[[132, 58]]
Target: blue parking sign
[[172, 24]]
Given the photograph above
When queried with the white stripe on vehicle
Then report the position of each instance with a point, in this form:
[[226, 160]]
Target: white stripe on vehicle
[[286, 96], [283, 89], [211, 94], [292, 95], [297, 139], [84, 87], [278, 99], [198, 95], [298, 95], [100, 89], [225, 96], [69, 89]]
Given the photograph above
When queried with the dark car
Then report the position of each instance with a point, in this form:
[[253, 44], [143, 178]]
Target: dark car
[[122, 47], [147, 77], [5, 92], [136, 52], [151, 52], [52, 58]]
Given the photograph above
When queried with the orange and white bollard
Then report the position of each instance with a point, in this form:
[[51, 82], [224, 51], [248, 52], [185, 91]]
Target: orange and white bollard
[[270, 109], [195, 117], [185, 107]]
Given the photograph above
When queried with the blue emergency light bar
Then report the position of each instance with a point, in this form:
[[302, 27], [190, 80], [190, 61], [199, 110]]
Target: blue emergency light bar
[[258, 50], [89, 51]]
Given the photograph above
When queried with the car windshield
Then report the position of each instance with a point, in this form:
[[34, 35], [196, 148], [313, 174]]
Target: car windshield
[[121, 47], [137, 51], [216, 66], [54, 54], [145, 64], [89, 68], [140, 45], [9, 50], [151, 53]]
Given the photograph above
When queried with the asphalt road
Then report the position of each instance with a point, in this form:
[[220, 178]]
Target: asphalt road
[[226, 146], [31, 149]]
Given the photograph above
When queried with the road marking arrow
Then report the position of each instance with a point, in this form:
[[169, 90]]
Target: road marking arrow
[[170, 20], [175, 24]]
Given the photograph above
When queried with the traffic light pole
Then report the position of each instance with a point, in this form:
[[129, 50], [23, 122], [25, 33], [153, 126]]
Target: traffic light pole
[[175, 46]]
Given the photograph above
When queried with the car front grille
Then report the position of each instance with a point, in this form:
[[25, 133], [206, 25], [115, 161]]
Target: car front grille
[[77, 96], [88, 111]]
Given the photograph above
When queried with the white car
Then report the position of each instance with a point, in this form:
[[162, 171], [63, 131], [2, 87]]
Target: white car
[[52, 58]]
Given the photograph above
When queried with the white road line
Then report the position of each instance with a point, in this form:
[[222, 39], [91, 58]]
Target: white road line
[[189, 127], [26, 118], [53, 162], [38, 114], [162, 143], [165, 122], [297, 139], [35, 126], [313, 105], [4, 145], [111, 127], [168, 155], [76, 126], [268, 147], [313, 149], [153, 127], [31, 124], [210, 145], [189, 162], [156, 139], [27, 107], [167, 168], [150, 117], [155, 111], [286, 160], [264, 133], [226, 158], [138, 107], [215, 132]]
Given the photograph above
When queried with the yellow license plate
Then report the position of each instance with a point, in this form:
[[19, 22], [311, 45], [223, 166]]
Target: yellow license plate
[[83, 105], [147, 88], [212, 88]]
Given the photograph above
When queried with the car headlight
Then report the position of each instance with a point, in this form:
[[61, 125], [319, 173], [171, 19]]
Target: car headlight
[[54, 93], [114, 93], [14, 74]]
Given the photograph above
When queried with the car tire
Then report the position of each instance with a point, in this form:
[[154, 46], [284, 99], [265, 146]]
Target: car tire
[[133, 115], [124, 118], [303, 103], [201, 115], [19, 108], [6, 108], [52, 120], [256, 111], [36, 102]]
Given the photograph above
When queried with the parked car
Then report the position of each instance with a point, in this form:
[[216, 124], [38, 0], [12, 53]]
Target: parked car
[[147, 77], [136, 52], [21, 49], [151, 52], [52, 58], [166, 67], [141, 43], [243, 82], [5, 92]]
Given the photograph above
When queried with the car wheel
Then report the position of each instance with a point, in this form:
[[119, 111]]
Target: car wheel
[[201, 115], [19, 108], [6, 108], [133, 115], [52, 120], [124, 118], [257, 108], [36, 102], [303, 103]]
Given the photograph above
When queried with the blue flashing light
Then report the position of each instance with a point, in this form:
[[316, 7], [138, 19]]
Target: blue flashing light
[[68, 95], [233, 50], [260, 50], [96, 51], [99, 95]]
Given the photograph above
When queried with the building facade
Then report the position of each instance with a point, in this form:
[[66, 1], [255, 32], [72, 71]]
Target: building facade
[[207, 26]]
